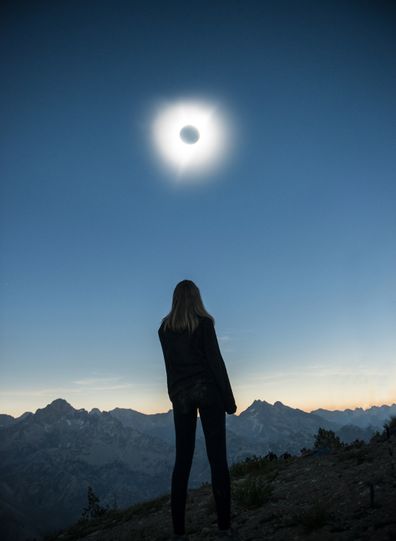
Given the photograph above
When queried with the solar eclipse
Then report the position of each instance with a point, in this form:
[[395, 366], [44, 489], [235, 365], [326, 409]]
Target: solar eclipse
[[190, 135]]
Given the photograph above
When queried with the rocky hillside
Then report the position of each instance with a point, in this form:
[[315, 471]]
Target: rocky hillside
[[49, 458], [344, 494]]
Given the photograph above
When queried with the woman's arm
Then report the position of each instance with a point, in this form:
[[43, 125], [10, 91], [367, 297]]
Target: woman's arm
[[217, 366]]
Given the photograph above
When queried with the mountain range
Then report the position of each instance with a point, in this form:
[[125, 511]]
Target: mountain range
[[50, 457]]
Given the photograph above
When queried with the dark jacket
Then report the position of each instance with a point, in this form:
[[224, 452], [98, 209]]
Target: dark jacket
[[191, 358]]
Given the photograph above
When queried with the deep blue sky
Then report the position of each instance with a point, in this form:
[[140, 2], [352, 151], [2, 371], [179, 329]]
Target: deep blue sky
[[291, 242]]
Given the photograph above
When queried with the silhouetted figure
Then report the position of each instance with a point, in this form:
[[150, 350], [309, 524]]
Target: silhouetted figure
[[196, 378]]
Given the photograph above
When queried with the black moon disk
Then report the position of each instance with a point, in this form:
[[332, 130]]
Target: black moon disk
[[189, 135]]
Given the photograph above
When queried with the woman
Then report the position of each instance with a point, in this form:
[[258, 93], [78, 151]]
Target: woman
[[197, 378]]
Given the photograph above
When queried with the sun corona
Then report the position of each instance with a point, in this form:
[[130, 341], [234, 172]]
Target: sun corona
[[190, 136]]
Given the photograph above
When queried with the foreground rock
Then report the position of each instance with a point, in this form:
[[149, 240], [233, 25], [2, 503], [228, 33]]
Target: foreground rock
[[347, 494]]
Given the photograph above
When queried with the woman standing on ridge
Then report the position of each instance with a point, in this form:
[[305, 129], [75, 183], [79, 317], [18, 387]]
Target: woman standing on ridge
[[197, 378]]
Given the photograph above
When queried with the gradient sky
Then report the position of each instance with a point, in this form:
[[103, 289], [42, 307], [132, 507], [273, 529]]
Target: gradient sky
[[291, 241]]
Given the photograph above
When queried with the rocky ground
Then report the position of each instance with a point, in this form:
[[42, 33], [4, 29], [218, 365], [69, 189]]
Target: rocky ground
[[348, 494]]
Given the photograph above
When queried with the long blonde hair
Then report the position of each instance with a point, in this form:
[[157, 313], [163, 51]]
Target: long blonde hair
[[187, 305]]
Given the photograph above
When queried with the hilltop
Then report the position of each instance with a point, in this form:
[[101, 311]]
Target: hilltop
[[49, 458], [344, 494]]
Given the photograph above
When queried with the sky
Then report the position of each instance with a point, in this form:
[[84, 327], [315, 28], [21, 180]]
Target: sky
[[290, 237]]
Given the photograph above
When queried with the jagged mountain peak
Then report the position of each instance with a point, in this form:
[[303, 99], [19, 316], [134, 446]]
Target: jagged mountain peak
[[262, 405], [257, 407], [279, 404], [59, 406], [259, 402], [95, 411]]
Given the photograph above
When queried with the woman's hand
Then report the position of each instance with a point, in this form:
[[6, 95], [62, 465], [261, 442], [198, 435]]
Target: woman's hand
[[231, 409]]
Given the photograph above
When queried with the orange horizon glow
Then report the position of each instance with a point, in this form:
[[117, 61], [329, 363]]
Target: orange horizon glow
[[152, 411]]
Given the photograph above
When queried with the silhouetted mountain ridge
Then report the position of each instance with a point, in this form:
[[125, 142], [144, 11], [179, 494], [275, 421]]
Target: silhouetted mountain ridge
[[48, 458], [374, 416]]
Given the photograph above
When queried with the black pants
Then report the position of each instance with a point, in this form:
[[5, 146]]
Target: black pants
[[204, 396]]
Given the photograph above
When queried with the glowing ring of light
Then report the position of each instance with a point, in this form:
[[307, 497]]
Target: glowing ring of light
[[201, 154]]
